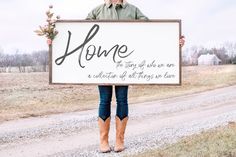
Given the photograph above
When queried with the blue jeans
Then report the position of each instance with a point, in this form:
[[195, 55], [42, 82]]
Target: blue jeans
[[105, 101]]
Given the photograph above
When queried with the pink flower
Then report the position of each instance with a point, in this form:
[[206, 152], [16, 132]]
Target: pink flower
[[49, 42]]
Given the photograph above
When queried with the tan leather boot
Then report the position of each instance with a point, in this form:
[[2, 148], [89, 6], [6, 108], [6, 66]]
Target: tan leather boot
[[104, 134], [120, 132]]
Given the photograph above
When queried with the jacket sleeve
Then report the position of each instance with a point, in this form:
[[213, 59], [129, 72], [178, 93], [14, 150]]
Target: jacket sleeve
[[140, 15], [91, 15]]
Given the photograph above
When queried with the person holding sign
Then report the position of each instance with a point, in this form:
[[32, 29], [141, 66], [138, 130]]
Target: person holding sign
[[114, 10]]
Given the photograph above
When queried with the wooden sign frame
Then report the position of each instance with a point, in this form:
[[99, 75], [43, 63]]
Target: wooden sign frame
[[159, 21]]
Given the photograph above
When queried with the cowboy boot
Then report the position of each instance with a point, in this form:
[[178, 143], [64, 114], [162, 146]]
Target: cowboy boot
[[104, 127], [120, 132]]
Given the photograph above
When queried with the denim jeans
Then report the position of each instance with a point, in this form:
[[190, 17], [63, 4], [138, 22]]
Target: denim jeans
[[105, 101]]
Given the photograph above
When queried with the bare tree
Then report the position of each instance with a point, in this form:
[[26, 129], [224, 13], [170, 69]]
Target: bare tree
[[221, 53], [2, 66], [2, 56], [41, 58], [8, 62], [17, 60], [231, 51]]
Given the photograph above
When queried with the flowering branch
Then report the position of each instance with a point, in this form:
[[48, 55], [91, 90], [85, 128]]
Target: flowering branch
[[48, 30]]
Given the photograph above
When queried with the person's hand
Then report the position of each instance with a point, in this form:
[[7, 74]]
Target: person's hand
[[182, 41], [49, 41]]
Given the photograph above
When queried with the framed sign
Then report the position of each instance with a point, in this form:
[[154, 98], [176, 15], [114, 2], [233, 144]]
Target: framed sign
[[116, 52]]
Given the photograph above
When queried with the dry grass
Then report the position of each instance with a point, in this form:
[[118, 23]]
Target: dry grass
[[218, 142], [28, 94], [194, 79]]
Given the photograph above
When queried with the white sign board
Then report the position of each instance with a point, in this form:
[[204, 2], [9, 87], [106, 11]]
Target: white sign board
[[116, 52]]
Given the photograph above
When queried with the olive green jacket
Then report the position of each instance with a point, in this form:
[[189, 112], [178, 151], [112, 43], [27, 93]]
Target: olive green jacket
[[123, 11]]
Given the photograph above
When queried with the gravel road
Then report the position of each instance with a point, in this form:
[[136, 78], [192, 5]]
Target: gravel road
[[151, 125]]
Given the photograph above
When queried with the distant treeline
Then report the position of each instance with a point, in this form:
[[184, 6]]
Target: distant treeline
[[38, 61], [24, 62], [226, 53]]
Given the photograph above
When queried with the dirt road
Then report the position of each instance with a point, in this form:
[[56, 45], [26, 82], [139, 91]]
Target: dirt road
[[150, 125]]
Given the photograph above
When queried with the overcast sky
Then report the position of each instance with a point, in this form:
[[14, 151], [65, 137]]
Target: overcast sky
[[204, 22]]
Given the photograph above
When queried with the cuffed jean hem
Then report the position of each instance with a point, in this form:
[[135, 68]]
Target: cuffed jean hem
[[105, 101]]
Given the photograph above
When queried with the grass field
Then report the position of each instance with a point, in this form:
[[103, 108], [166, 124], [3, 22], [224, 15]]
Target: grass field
[[218, 142], [29, 94]]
